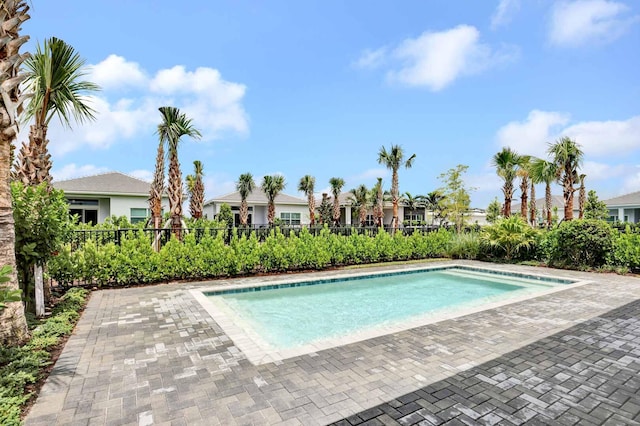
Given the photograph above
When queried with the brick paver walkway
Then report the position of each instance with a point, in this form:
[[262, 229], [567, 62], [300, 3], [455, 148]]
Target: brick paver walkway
[[152, 355]]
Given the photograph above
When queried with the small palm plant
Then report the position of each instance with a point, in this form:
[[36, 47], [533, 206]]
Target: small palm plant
[[360, 200], [245, 187], [509, 237]]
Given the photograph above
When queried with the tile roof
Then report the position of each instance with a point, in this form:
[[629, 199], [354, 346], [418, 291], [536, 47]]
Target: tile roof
[[105, 183], [256, 197], [632, 199]]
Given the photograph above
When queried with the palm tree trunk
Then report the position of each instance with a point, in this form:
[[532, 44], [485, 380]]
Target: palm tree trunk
[[395, 197], [547, 199], [582, 197], [336, 210], [532, 206], [568, 198], [312, 209], [244, 212], [508, 194], [271, 213], [524, 187], [175, 194]]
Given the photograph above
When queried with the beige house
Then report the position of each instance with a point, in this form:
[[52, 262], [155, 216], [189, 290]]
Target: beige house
[[289, 209], [95, 198]]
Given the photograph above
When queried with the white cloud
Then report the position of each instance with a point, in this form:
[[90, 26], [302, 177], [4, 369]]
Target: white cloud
[[504, 13], [597, 138], [435, 59], [145, 175], [371, 58], [214, 105], [579, 22], [631, 183], [116, 72], [532, 135], [602, 171], [72, 170]]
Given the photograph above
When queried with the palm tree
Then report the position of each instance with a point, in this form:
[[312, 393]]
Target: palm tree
[[393, 160], [336, 186], [157, 186], [54, 82], [543, 171], [360, 200], [523, 166], [245, 186], [567, 155], [532, 205], [377, 199], [432, 202], [13, 323], [582, 197], [307, 185], [411, 202], [195, 187], [175, 125], [272, 186], [506, 162]]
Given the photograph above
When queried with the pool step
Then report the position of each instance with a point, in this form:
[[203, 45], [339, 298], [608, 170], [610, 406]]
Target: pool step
[[506, 279]]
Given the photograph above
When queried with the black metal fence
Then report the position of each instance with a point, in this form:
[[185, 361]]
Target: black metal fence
[[104, 236]]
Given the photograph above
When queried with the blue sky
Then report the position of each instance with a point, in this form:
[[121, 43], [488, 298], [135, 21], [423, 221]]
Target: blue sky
[[317, 87]]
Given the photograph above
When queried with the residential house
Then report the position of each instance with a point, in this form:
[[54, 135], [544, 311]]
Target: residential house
[[95, 198], [557, 207], [290, 210], [625, 208]]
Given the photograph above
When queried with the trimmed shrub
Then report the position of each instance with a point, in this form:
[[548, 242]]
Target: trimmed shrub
[[580, 243]]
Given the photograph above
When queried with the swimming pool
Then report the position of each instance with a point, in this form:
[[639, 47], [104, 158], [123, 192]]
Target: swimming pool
[[300, 317]]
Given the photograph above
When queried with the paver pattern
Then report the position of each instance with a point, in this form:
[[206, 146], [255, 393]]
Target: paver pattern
[[152, 355]]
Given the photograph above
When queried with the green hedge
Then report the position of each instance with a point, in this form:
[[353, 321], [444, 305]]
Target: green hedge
[[134, 261]]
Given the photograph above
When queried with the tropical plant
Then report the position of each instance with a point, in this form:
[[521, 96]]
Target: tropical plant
[[434, 202], [567, 156], [336, 186], [393, 159], [225, 215], [272, 185], [594, 208], [7, 295], [245, 187], [175, 125], [307, 185], [13, 324], [581, 243], [543, 171], [360, 200], [522, 171], [412, 203], [377, 200], [56, 88], [157, 185], [494, 209], [325, 211], [506, 164], [509, 237], [582, 197], [456, 195], [195, 188]]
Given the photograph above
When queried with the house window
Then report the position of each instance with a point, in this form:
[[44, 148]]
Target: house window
[[85, 210], [139, 215], [290, 218]]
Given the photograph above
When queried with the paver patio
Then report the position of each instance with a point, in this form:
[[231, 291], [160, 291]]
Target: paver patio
[[153, 355]]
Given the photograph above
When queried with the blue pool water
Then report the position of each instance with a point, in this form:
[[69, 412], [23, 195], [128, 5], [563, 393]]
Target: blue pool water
[[294, 316]]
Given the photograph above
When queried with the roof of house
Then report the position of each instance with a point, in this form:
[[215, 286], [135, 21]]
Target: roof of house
[[105, 183], [632, 199], [556, 201], [256, 197]]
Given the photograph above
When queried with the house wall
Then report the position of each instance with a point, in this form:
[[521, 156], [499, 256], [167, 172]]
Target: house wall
[[631, 215], [259, 214]]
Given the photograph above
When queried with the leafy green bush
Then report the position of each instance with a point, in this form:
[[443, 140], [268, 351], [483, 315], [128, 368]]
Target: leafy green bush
[[626, 250], [510, 238], [466, 245], [580, 243]]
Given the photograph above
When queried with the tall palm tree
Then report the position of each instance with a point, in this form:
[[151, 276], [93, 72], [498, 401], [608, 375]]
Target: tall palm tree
[[175, 124], [272, 185], [307, 185], [567, 155], [523, 166], [336, 186], [532, 205], [360, 200], [582, 197], [195, 187], [245, 187], [393, 160], [377, 199], [543, 171], [54, 82], [13, 323], [506, 162], [157, 186]]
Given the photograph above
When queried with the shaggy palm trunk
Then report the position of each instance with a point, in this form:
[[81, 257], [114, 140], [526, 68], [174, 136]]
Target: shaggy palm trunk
[[362, 215], [524, 187], [34, 160], [175, 194], [13, 324], [507, 190], [197, 199], [244, 212], [532, 206], [582, 198], [271, 212], [312, 208], [155, 196], [547, 199], [336, 210], [568, 195], [394, 199]]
